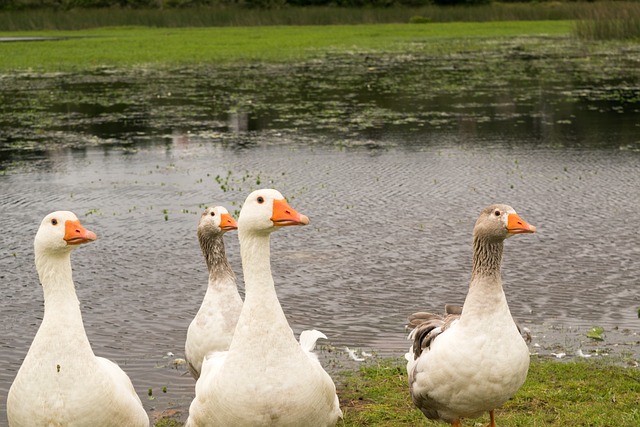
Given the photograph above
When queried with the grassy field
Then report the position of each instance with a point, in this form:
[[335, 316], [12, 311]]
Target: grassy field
[[157, 47]]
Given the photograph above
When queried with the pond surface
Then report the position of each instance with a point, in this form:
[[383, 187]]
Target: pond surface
[[392, 157]]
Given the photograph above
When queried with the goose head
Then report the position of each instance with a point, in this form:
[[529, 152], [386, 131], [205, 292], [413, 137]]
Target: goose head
[[215, 221], [61, 232], [267, 210], [498, 222]]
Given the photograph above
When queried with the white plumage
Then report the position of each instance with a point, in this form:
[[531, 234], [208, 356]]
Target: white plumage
[[464, 364], [266, 378], [212, 328], [61, 382]]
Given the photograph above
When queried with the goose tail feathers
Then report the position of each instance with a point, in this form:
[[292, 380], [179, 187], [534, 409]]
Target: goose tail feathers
[[309, 338]]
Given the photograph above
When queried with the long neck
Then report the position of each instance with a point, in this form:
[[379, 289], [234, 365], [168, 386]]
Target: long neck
[[487, 257], [261, 309], [256, 267], [62, 315], [216, 258], [486, 297]]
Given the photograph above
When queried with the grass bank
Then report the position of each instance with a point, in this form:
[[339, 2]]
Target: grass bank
[[593, 393], [156, 47]]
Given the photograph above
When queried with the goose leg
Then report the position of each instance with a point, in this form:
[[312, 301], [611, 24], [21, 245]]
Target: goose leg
[[493, 420], [456, 423]]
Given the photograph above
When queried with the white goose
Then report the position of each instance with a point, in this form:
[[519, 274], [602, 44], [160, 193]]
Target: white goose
[[61, 382], [462, 365], [212, 328], [266, 378]]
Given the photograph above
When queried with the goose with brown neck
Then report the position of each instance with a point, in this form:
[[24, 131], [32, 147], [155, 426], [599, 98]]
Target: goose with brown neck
[[267, 378], [462, 365], [212, 328], [61, 382]]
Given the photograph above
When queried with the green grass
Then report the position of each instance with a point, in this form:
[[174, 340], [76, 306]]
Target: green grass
[[168, 422], [154, 47], [583, 393]]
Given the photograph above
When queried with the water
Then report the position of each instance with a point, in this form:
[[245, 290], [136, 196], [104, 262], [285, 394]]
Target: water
[[392, 184]]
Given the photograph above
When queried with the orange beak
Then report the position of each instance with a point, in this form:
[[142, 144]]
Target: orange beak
[[284, 215], [227, 222], [76, 234], [516, 225]]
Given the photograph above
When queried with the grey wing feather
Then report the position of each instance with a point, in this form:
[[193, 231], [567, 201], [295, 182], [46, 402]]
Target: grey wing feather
[[453, 309], [425, 327]]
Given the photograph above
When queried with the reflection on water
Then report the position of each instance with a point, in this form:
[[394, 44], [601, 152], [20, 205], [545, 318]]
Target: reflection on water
[[392, 183], [239, 121]]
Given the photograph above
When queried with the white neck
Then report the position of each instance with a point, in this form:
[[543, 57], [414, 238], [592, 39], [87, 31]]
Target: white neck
[[261, 311], [62, 316]]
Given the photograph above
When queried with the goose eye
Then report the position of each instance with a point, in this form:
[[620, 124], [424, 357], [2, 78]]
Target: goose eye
[[54, 221], [213, 213], [260, 200], [497, 213]]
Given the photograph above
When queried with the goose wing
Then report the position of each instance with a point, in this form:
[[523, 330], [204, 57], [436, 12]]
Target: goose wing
[[131, 406], [425, 327]]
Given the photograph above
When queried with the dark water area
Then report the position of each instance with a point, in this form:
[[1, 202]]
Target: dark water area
[[392, 158]]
